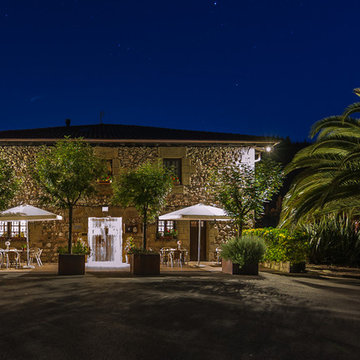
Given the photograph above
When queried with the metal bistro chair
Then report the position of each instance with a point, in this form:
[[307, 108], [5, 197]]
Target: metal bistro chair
[[164, 256], [16, 261], [36, 254], [178, 256], [185, 256], [175, 257]]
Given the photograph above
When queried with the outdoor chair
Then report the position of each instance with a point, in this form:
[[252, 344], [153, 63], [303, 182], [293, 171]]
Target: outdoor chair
[[176, 256], [36, 254], [14, 260], [164, 256], [185, 256]]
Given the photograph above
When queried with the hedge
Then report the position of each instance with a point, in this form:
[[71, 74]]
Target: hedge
[[283, 245]]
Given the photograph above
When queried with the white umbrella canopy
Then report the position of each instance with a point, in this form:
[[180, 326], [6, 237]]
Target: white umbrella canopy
[[27, 213], [197, 212]]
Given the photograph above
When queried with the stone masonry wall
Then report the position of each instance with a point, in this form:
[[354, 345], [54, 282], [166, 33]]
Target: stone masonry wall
[[197, 164]]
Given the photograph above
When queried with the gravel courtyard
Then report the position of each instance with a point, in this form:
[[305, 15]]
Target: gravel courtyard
[[178, 315]]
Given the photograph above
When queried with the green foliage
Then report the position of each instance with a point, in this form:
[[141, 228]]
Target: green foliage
[[141, 251], [282, 244], [79, 248], [145, 188], [334, 240], [243, 190], [66, 173], [129, 244], [63, 250], [247, 249], [328, 179], [8, 184]]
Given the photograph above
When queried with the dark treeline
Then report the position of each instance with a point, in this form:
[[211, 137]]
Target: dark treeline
[[282, 153]]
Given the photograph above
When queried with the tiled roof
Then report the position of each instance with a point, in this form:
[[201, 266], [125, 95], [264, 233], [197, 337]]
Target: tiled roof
[[112, 132]]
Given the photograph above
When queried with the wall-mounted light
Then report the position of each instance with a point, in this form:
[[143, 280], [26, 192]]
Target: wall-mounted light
[[268, 148]]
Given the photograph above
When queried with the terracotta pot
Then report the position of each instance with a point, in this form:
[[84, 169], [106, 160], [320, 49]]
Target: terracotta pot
[[234, 269], [71, 264], [145, 264]]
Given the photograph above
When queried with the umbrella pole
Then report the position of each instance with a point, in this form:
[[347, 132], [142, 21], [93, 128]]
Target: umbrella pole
[[199, 235], [28, 266]]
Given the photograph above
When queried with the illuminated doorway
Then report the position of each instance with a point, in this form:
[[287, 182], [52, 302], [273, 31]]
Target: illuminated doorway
[[105, 241]]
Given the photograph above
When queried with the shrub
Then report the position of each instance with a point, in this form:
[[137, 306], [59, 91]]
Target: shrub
[[129, 244], [283, 245], [247, 249], [79, 248], [334, 240], [141, 251]]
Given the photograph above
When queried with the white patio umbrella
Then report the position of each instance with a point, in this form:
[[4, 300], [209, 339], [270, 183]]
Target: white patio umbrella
[[27, 213], [197, 212]]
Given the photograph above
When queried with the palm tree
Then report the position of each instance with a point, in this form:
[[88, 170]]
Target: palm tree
[[329, 170]]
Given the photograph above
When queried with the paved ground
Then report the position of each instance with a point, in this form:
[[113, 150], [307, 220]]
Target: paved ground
[[178, 315]]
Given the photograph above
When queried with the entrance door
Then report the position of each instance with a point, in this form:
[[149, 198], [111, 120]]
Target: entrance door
[[105, 240], [194, 231]]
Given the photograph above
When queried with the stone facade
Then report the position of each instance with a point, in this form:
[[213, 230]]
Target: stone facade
[[197, 162]]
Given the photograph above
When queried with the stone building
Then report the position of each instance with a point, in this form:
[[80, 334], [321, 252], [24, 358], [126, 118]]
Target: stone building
[[192, 154]]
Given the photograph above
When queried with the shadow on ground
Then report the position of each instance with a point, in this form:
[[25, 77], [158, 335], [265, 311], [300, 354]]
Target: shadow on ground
[[174, 316]]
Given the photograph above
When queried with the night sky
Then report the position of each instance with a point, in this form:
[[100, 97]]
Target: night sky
[[250, 67]]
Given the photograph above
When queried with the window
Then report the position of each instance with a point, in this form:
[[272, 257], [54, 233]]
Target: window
[[107, 178], [175, 166], [13, 229], [3, 228], [23, 229], [165, 226]]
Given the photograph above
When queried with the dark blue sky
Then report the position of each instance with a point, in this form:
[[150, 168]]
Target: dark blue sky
[[253, 67]]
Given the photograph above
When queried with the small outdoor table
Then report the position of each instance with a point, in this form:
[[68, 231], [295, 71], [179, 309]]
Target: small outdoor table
[[17, 254]]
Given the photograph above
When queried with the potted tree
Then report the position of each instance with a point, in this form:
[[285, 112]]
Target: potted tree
[[241, 255], [66, 173], [145, 188]]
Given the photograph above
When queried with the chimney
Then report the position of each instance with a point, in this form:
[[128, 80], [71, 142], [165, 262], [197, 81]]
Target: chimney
[[67, 122]]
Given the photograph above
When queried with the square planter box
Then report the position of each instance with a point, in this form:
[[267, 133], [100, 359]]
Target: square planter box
[[234, 269], [145, 264], [71, 264]]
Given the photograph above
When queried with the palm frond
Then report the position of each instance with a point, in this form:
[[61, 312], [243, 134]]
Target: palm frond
[[329, 171], [351, 109]]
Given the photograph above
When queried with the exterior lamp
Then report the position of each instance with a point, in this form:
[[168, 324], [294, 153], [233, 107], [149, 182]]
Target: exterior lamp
[[268, 148]]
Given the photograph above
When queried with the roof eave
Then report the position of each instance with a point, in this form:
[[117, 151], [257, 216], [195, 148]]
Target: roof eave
[[150, 141]]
